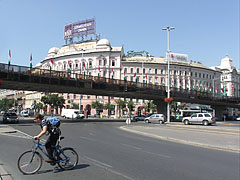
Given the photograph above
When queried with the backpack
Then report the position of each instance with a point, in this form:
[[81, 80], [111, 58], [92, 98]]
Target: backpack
[[55, 122]]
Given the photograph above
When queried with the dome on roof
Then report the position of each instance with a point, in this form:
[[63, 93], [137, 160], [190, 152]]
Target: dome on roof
[[103, 42], [53, 50]]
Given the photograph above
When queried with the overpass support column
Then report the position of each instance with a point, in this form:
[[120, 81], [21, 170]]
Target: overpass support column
[[161, 107], [218, 111]]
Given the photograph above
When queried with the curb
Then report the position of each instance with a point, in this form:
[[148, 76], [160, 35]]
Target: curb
[[181, 141], [5, 175]]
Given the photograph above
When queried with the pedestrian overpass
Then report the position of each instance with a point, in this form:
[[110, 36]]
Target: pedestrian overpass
[[16, 77]]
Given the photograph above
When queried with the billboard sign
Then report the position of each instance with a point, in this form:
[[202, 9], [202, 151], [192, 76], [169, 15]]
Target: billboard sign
[[178, 57], [81, 28]]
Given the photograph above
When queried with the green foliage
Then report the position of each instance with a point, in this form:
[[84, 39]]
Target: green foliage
[[122, 103], [150, 105], [39, 106], [97, 105], [53, 100], [75, 106], [6, 104], [109, 106]]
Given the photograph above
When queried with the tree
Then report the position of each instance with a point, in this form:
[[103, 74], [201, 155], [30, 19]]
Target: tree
[[54, 101], [110, 107], [39, 106], [98, 106], [150, 106], [6, 104], [121, 104]]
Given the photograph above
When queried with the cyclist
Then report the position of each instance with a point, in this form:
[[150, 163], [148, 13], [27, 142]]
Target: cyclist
[[46, 126]]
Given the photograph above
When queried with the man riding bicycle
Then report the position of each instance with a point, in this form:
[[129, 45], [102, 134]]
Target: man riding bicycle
[[47, 126]]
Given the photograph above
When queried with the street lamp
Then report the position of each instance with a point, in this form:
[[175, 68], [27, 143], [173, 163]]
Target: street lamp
[[168, 88]]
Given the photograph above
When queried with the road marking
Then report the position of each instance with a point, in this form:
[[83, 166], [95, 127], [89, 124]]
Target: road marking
[[90, 139], [106, 167], [132, 146], [140, 149]]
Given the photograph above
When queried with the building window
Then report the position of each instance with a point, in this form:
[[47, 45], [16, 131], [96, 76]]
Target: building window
[[138, 70], [200, 75], [105, 62], [155, 71], [125, 70], [90, 64], [161, 71], [143, 70], [195, 74], [100, 62], [76, 66], [113, 63], [131, 70]]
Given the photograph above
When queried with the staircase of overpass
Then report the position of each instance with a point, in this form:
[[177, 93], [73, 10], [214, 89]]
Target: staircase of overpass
[[33, 79]]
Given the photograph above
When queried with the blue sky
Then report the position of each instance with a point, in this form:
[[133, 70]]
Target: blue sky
[[204, 29]]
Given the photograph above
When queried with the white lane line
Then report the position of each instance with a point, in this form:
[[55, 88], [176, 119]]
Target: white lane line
[[140, 149], [134, 147], [97, 162], [106, 167], [90, 139]]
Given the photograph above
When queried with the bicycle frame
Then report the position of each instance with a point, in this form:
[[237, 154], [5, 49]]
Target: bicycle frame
[[57, 149]]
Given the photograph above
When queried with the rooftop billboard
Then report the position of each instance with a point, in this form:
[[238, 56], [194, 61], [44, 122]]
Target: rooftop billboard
[[81, 28]]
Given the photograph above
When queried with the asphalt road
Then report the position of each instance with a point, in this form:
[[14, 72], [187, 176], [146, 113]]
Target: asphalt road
[[107, 152]]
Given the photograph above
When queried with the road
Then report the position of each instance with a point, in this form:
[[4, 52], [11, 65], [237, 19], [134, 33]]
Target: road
[[107, 152]]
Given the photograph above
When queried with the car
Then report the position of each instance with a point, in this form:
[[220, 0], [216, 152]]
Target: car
[[199, 118], [157, 118], [24, 113], [2, 112], [139, 118], [238, 118], [10, 117]]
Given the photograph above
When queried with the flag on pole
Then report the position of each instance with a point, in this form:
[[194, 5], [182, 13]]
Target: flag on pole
[[98, 71], [51, 64], [9, 57], [112, 73], [31, 60], [135, 74], [69, 67], [187, 86]]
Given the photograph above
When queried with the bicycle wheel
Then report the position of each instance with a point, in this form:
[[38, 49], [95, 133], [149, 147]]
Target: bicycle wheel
[[29, 162], [67, 159]]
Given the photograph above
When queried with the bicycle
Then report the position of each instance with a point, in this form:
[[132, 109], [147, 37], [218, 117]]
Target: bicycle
[[30, 161]]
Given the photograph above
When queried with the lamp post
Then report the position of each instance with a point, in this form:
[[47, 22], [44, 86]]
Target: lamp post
[[168, 88]]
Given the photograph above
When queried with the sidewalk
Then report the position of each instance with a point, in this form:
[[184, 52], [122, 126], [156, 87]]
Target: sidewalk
[[215, 137], [5, 175]]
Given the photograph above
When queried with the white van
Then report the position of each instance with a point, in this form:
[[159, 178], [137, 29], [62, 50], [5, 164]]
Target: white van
[[72, 113]]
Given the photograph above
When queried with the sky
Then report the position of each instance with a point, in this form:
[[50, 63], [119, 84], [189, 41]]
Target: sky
[[206, 30]]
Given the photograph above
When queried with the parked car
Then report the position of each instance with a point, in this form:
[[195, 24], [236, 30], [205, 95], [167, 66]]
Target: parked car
[[238, 118], [24, 113], [199, 118], [139, 118], [2, 112], [10, 117], [157, 118]]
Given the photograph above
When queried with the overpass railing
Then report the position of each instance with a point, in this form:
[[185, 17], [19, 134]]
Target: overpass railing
[[8, 70]]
